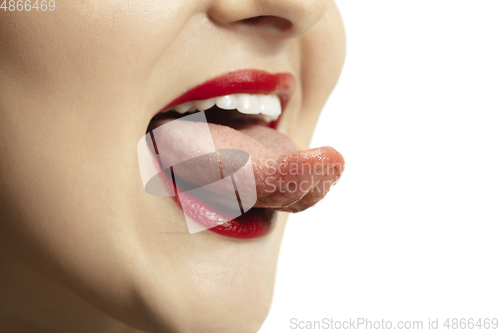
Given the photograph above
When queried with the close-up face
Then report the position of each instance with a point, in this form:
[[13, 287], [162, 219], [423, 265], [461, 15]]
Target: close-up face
[[81, 86]]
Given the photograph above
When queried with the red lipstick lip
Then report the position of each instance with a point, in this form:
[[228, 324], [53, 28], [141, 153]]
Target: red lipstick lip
[[256, 222], [245, 81]]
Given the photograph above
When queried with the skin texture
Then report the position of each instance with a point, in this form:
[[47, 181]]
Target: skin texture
[[83, 248]]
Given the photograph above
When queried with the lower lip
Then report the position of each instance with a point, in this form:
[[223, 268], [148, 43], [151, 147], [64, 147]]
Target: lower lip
[[256, 222]]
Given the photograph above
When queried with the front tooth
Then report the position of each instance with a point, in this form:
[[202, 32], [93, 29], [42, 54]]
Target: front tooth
[[248, 104], [204, 104], [270, 105], [227, 102], [275, 107], [266, 105], [185, 107]]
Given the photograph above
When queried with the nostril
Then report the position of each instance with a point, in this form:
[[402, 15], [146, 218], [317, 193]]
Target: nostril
[[272, 21]]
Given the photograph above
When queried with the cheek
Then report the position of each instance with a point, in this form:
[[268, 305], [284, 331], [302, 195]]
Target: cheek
[[323, 54], [68, 131], [63, 112]]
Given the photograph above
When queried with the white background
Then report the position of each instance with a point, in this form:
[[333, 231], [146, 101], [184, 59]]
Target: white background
[[411, 231]]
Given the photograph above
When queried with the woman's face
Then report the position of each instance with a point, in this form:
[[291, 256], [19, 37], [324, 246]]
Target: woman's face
[[78, 89]]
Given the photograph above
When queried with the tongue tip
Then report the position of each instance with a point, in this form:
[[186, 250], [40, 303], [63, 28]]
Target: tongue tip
[[326, 155]]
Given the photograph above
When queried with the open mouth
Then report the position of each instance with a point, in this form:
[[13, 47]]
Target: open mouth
[[243, 110]]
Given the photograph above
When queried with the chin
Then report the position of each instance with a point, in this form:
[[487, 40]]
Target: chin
[[225, 287]]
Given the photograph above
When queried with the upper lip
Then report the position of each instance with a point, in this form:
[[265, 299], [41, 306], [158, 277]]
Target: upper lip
[[245, 81]]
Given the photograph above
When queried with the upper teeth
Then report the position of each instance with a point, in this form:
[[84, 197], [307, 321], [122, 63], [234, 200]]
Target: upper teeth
[[267, 105]]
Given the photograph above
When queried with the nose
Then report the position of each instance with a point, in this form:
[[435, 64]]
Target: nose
[[278, 18]]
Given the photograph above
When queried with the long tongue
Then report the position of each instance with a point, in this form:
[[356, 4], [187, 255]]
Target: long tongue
[[286, 177]]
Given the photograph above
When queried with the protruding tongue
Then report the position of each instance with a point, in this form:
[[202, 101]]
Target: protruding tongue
[[286, 177]]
